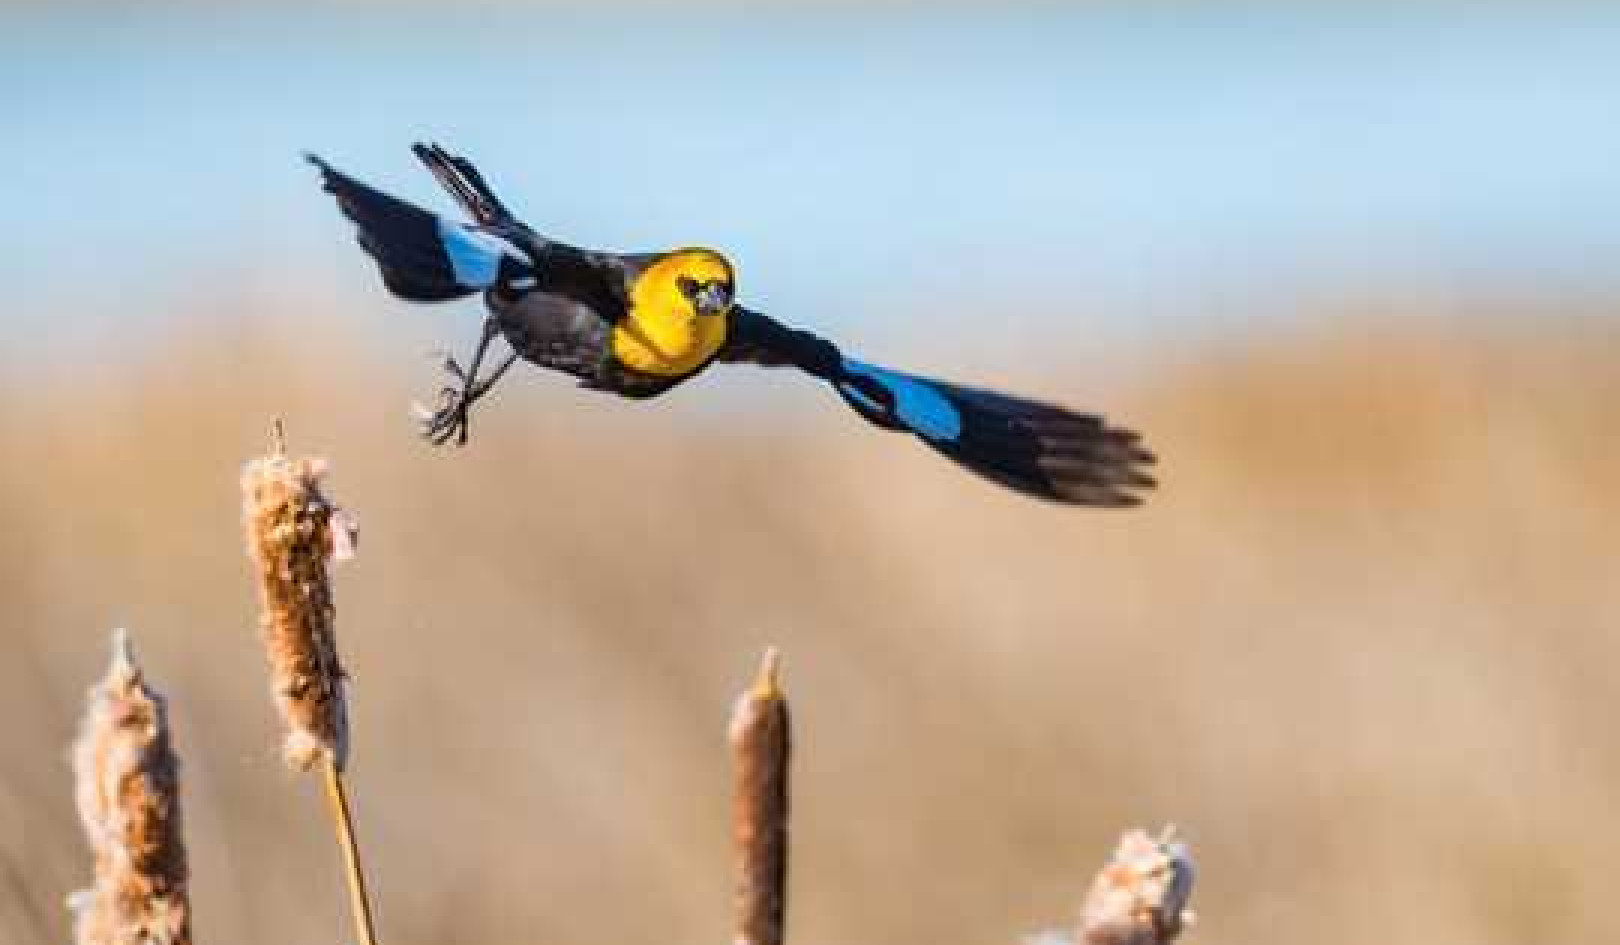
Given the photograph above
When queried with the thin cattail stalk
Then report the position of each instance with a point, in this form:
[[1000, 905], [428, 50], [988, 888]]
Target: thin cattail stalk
[[1140, 897], [293, 532], [761, 743], [127, 786], [343, 819]]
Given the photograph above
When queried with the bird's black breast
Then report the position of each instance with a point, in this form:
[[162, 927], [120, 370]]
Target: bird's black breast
[[554, 331]]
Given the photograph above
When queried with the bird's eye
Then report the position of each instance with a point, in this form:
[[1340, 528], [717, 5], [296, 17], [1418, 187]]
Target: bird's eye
[[687, 285]]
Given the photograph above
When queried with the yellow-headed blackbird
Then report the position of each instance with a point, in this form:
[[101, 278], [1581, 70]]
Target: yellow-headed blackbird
[[638, 324]]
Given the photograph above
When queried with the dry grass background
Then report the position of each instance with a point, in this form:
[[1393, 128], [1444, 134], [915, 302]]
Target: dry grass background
[[1363, 646]]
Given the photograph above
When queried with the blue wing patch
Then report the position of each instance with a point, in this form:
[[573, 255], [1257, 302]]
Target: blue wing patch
[[475, 257], [916, 403]]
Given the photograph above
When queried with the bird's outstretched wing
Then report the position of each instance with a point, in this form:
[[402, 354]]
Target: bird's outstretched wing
[[423, 257], [1035, 448]]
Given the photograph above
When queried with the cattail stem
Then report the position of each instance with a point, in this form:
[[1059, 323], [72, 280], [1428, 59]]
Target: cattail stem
[[761, 742], [343, 823]]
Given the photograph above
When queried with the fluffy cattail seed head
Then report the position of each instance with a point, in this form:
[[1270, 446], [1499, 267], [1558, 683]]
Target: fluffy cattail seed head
[[126, 784], [292, 533], [1140, 897]]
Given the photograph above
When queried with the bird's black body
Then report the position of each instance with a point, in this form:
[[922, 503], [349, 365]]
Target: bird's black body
[[569, 309]]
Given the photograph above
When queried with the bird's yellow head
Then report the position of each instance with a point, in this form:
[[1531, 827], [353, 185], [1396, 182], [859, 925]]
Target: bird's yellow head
[[701, 277], [677, 313]]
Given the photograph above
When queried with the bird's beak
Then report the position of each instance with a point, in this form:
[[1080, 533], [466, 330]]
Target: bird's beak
[[713, 299]]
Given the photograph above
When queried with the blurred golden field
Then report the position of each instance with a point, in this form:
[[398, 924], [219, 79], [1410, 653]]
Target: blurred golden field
[[1361, 647]]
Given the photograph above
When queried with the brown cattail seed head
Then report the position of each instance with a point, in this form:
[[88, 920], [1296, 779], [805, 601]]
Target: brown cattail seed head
[[1140, 897], [126, 784], [292, 532], [760, 745]]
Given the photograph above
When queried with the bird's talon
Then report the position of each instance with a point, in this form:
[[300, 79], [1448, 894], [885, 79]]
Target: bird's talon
[[448, 421]]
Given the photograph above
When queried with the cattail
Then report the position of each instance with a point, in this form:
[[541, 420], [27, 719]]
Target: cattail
[[761, 741], [127, 786], [1140, 897], [292, 532]]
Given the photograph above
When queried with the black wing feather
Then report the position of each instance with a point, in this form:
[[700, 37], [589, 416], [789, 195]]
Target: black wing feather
[[1045, 450], [458, 176], [402, 238], [1036, 448]]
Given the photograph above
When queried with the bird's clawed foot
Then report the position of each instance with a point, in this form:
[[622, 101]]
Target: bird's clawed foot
[[448, 419]]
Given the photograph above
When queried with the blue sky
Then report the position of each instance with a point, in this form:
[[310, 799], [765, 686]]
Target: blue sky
[[851, 163]]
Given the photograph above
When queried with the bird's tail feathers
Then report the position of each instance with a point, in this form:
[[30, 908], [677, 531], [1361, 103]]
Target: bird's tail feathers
[[457, 175], [1033, 447], [423, 257]]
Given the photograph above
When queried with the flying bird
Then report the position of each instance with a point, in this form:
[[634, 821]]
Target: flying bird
[[638, 324]]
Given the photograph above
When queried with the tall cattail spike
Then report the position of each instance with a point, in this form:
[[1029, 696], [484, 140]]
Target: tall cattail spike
[[293, 532], [128, 792], [761, 747]]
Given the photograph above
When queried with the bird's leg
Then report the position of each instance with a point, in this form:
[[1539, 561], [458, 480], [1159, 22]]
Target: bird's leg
[[470, 394], [482, 387], [450, 419]]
